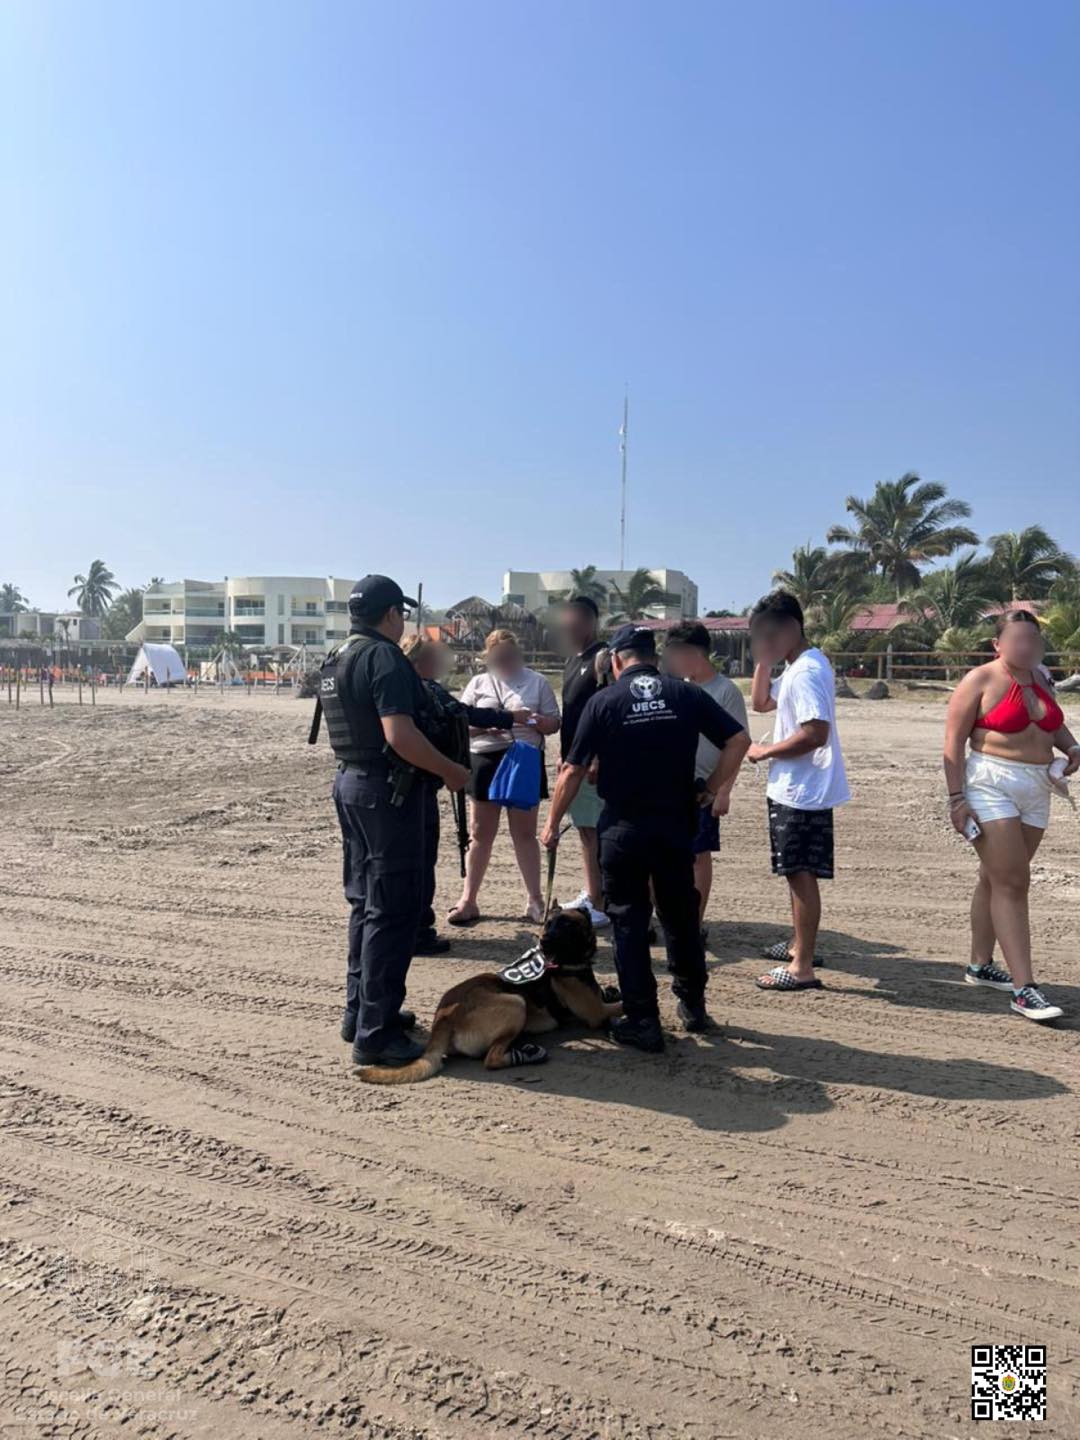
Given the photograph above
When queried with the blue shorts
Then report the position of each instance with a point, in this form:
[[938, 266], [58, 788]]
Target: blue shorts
[[707, 838]]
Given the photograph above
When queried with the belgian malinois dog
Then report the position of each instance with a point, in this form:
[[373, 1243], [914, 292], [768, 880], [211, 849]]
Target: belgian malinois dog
[[550, 985]]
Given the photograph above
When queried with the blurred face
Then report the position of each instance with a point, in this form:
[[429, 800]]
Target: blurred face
[[682, 661], [772, 638], [425, 662], [504, 660], [577, 629], [395, 623], [1020, 644], [441, 661]]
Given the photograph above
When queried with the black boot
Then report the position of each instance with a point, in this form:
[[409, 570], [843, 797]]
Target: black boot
[[695, 1018], [429, 943], [406, 1019], [640, 1034], [397, 1050]]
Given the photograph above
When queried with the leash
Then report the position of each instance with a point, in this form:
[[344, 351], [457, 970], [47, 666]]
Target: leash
[[552, 857]]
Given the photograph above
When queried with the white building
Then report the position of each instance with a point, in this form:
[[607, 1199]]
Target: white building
[[537, 589], [270, 612], [61, 626]]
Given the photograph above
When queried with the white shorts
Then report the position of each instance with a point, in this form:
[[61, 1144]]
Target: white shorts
[[1007, 790]]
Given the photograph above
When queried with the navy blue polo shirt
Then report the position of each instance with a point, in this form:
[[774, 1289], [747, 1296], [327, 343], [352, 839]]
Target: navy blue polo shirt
[[643, 731]]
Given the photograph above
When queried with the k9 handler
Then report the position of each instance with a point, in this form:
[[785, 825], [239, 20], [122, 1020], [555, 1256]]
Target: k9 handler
[[376, 710], [643, 731]]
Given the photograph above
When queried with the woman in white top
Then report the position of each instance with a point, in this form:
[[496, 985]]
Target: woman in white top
[[507, 684]]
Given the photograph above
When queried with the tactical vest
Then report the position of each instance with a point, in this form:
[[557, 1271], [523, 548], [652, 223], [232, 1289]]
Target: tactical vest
[[341, 719]]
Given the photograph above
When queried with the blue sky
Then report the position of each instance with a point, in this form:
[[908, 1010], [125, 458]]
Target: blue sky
[[332, 287]]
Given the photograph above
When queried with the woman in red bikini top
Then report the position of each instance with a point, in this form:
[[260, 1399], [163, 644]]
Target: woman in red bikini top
[[999, 797]]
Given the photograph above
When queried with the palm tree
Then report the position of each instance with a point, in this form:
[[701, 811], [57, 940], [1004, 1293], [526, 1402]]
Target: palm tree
[[830, 622], [1062, 621], [125, 612], [642, 594], [956, 597], [815, 575], [904, 525], [95, 589], [231, 642], [1028, 562], [12, 600], [585, 582]]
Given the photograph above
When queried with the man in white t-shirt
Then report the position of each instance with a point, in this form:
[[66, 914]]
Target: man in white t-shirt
[[806, 774]]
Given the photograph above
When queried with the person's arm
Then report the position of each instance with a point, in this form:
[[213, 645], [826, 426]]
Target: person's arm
[[960, 719], [547, 718], [572, 774], [481, 719], [395, 690], [571, 778], [761, 696], [731, 739], [811, 706], [1065, 741], [407, 742]]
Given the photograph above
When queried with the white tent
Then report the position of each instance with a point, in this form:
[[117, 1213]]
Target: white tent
[[163, 663]]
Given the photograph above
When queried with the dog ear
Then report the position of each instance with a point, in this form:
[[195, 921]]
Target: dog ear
[[556, 908]]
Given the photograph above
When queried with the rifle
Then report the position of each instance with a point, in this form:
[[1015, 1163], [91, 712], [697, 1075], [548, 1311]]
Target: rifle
[[461, 818]]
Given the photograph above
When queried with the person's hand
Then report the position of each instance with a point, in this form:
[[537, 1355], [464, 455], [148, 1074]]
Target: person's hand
[[721, 803], [757, 753], [521, 717], [456, 777], [1074, 761], [550, 838], [960, 813], [593, 772]]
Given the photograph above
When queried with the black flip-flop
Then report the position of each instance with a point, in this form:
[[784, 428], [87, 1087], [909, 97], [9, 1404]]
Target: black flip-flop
[[782, 951], [463, 922], [782, 979]]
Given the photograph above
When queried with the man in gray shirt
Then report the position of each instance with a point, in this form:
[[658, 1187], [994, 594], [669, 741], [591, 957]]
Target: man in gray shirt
[[686, 656]]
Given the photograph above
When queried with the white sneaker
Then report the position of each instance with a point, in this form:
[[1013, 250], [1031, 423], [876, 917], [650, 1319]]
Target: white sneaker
[[1033, 1005], [598, 918]]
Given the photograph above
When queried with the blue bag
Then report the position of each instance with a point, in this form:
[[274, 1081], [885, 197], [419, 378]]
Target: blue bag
[[516, 783]]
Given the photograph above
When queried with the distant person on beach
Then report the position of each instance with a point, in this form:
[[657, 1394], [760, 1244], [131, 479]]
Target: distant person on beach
[[807, 780], [506, 684], [433, 662], [999, 798], [686, 656], [579, 624]]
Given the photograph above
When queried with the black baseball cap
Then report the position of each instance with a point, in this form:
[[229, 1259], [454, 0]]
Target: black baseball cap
[[376, 593], [633, 637]]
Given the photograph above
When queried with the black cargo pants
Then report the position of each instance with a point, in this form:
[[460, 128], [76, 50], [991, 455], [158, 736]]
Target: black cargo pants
[[383, 873], [632, 856]]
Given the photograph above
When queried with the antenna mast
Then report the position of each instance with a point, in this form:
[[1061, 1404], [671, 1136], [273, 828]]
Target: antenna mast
[[623, 431]]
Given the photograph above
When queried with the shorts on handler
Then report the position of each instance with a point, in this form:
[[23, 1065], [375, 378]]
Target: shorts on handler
[[585, 808], [1007, 790]]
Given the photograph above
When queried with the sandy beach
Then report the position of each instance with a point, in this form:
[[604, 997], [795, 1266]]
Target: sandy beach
[[796, 1226]]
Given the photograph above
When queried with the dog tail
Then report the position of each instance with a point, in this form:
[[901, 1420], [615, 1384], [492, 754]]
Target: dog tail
[[429, 1064]]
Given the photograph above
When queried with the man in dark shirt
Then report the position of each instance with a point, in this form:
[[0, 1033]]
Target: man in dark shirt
[[376, 708], [643, 731], [578, 625]]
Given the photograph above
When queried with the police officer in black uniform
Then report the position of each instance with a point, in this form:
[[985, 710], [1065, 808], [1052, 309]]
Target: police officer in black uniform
[[643, 731], [376, 711]]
